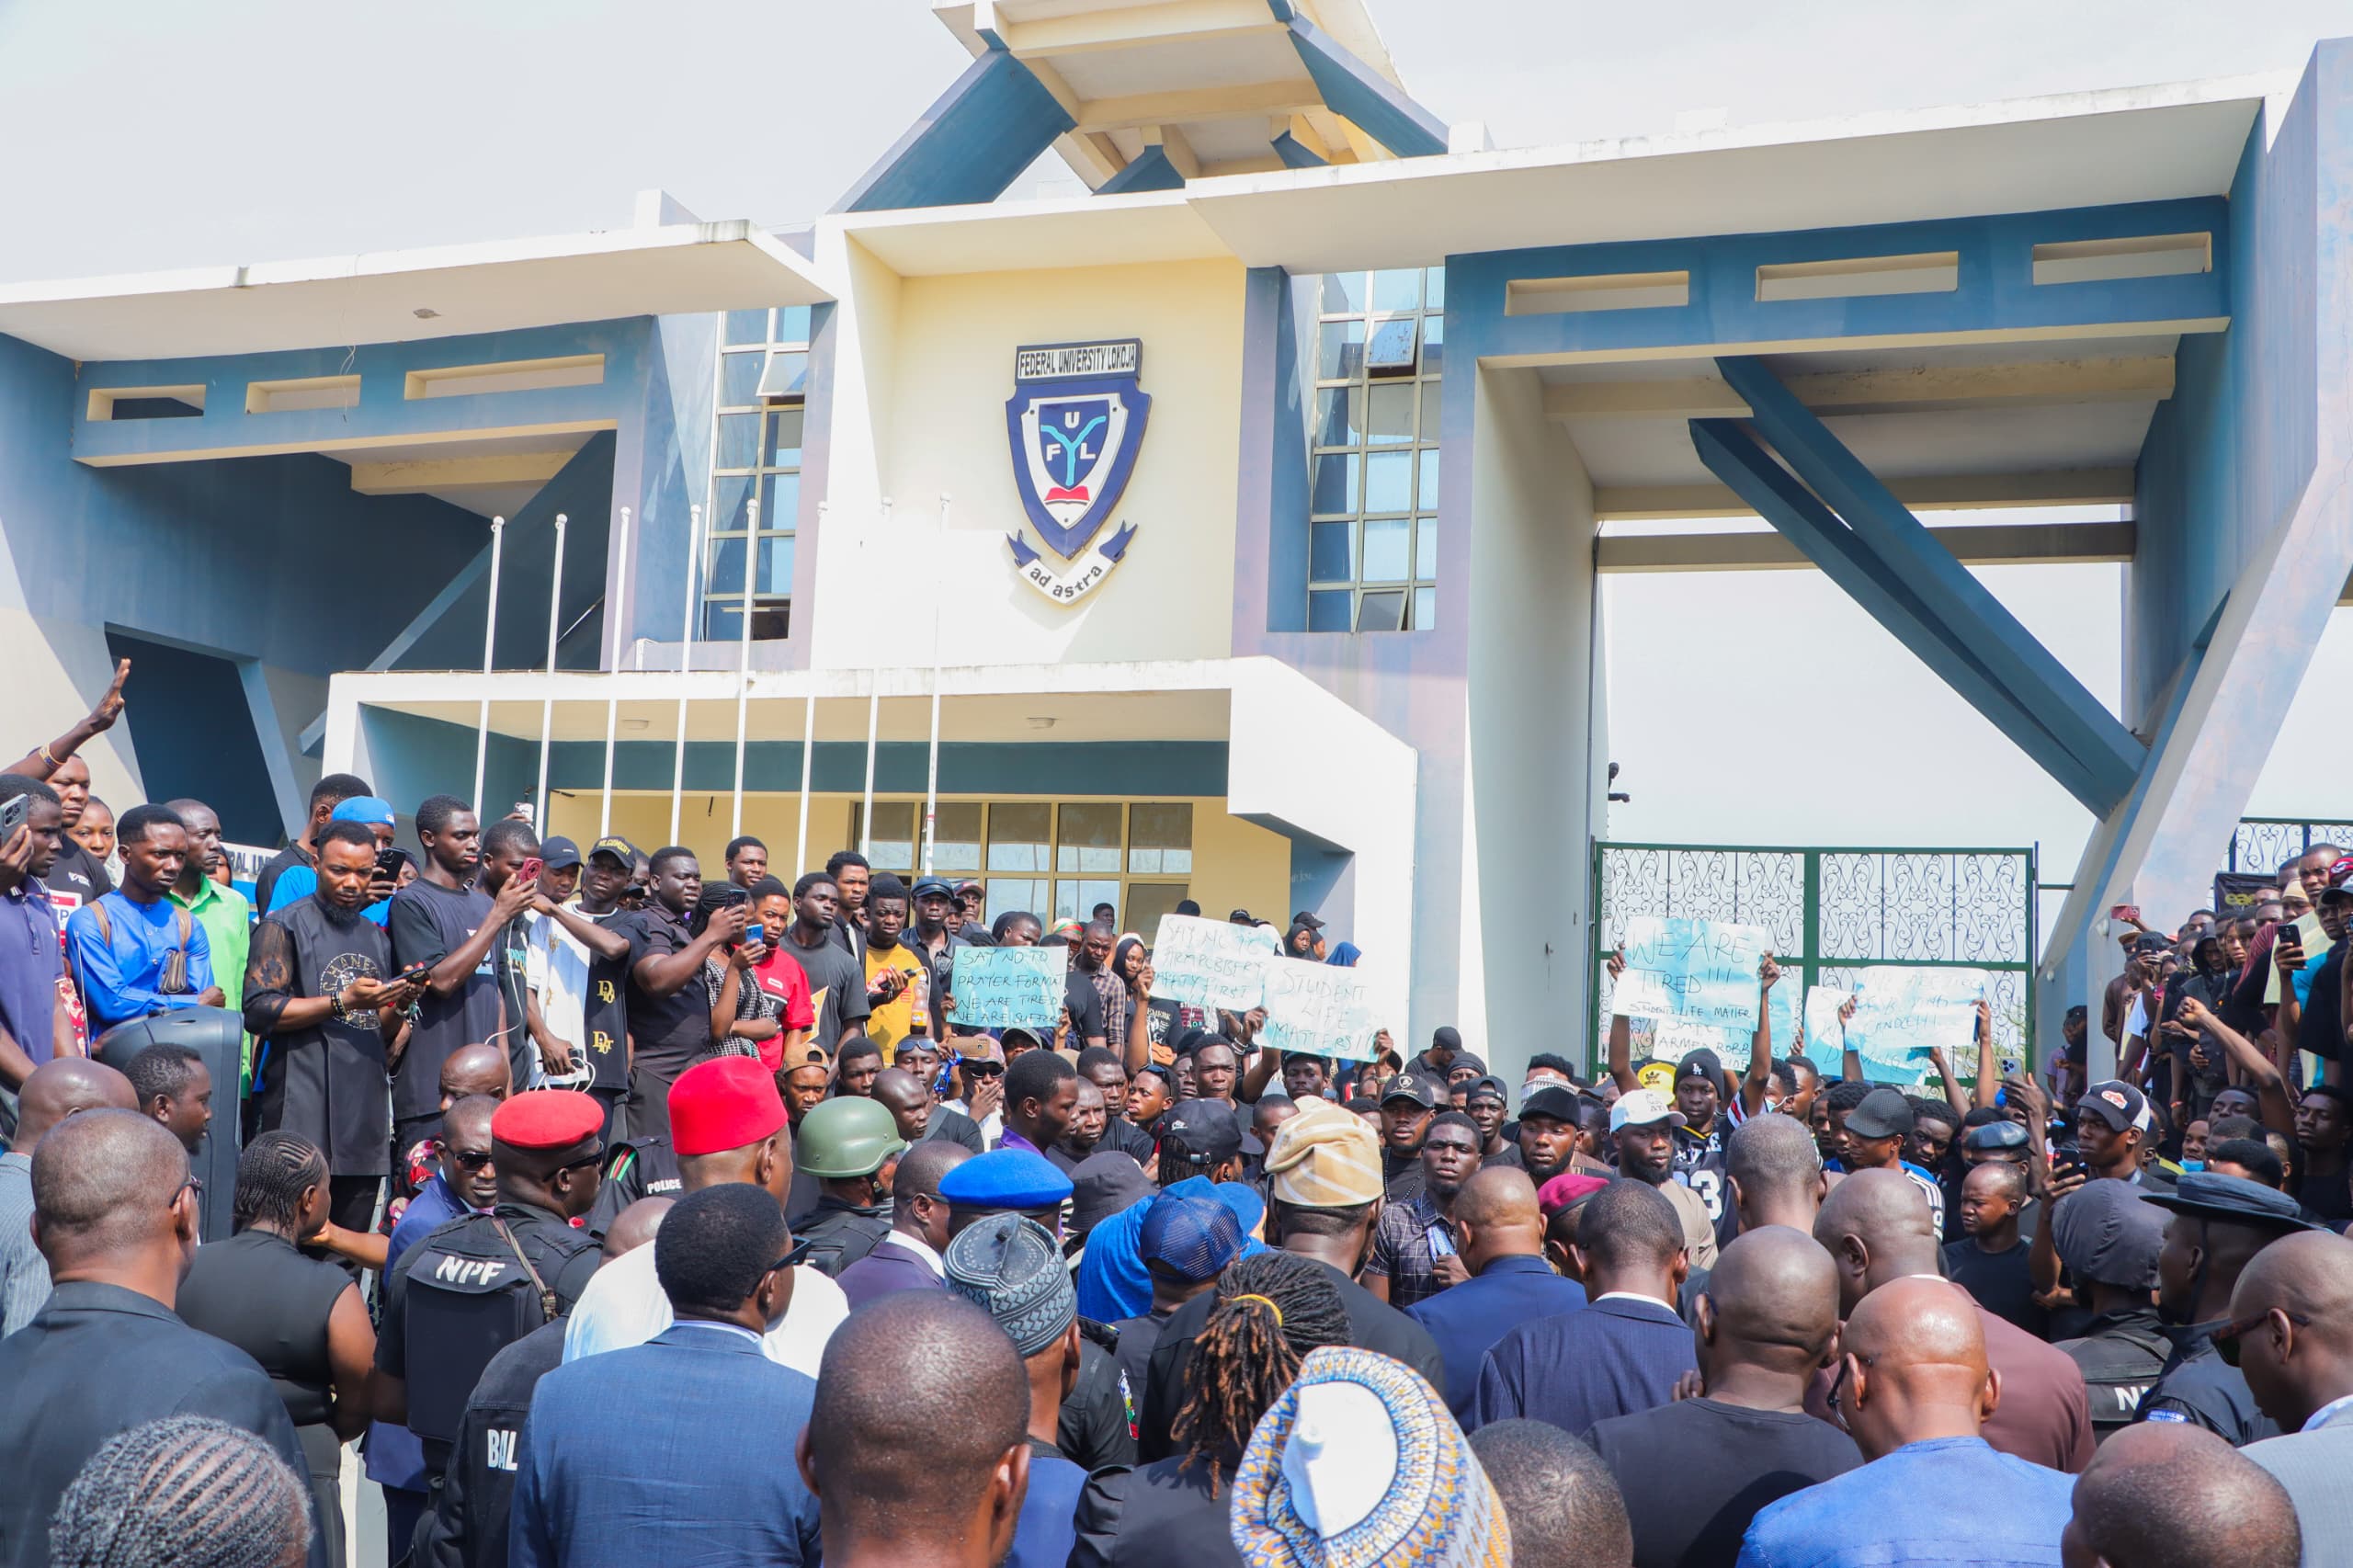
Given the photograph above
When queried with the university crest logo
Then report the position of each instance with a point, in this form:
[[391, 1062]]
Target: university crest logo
[[1075, 422]]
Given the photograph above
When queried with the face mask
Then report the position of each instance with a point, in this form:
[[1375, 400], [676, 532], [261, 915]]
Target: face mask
[[2193, 1165]]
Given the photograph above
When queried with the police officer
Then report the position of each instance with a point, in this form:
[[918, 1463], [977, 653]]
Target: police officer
[[2108, 1240], [846, 1144], [2219, 1223], [484, 1281], [634, 1168]]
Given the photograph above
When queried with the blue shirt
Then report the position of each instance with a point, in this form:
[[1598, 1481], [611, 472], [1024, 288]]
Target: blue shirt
[[118, 977], [1112, 1280], [1617, 1356], [30, 964], [1048, 1527], [298, 882], [1468, 1319], [1950, 1500]]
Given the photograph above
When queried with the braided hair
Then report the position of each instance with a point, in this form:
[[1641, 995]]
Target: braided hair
[[186, 1491], [1272, 1309], [272, 1174]]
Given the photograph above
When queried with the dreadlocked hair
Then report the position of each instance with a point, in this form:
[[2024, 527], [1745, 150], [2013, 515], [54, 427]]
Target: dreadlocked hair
[[272, 1174], [187, 1490], [1272, 1309]]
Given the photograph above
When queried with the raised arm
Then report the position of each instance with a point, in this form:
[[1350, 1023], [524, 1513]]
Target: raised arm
[[665, 975], [1757, 1081], [48, 759], [606, 943], [2270, 1084], [1622, 1033], [1988, 1084]]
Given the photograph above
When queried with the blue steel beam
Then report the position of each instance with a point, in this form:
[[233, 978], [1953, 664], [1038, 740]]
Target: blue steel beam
[[1972, 617], [1365, 98], [970, 144], [1150, 170], [1294, 153], [1733, 455]]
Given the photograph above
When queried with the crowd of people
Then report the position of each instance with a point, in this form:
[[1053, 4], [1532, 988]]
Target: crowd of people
[[622, 1217]]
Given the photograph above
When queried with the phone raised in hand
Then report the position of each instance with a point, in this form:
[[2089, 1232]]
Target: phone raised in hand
[[15, 812], [530, 869]]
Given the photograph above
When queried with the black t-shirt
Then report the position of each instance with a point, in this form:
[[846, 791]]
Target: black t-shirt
[[285, 860], [1695, 1473], [671, 1032], [1999, 1280], [1162, 1023], [604, 1012], [430, 922], [1699, 1161], [2321, 1032], [78, 878], [836, 986], [1087, 1016]]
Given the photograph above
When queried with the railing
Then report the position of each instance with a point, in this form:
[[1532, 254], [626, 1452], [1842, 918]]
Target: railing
[[1834, 914]]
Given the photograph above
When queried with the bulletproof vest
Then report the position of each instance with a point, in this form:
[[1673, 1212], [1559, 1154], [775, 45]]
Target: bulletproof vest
[[839, 1236], [471, 1294]]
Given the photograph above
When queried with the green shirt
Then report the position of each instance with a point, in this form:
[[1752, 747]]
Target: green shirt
[[228, 924]]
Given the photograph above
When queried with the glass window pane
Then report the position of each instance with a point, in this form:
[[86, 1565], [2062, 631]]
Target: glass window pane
[[771, 622], [726, 570], [1331, 549], [739, 440], [1424, 609], [1334, 490], [1425, 549], [1328, 611], [1428, 497], [1148, 903], [784, 438], [1388, 415], [1017, 840], [1340, 417], [1431, 428], [723, 620], [1389, 482], [894, 847], [1340, 354], [787, 374], [1399, 290], [1379, 612], [1343, 292], [1086, 836], [1433, 345], [1160, 838], [1433, 291], [747, 326], [781, 501], [1076, 900], [776, 565], [1392, 346], [792, 323], [739, 379], [956, 838], [729, 504], [1015, 895], [1388, 546]]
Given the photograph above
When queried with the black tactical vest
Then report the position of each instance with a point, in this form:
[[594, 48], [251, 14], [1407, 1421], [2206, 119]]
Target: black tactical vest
[[471, 1292]]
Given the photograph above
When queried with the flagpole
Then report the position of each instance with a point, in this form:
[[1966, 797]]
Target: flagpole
[[612, 692], [489, 646]]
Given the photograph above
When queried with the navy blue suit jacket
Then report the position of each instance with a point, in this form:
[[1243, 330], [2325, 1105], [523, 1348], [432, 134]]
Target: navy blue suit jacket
[[1616, 1357], [677, 1450], [1467, 1320]]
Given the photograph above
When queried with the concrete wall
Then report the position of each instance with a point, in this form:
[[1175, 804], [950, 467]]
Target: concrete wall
[[1528, 802]]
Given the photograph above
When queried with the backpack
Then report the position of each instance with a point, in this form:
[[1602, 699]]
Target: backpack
[[174, 978]]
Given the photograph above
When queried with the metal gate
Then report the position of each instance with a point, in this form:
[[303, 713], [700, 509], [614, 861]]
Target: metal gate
[[2262, 844], [1834, 914]]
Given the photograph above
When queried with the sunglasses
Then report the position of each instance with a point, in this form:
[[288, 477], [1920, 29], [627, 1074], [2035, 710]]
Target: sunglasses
[[801, 1250], [2226, 1338], [470, 1161], [1838, 1383], [583, 1162], [192, 1185], [984, 1069]]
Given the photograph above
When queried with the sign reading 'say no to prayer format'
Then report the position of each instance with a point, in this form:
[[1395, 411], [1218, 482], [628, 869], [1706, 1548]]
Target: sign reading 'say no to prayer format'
[[1009, 988]]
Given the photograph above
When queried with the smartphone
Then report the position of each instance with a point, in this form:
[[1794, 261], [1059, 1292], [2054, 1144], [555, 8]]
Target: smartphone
[[2129, 912], [389, 863], [15, 811], [415, 971], [530, 869]]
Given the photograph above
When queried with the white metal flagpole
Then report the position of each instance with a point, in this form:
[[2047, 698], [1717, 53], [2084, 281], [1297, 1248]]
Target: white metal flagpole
[[744, 662], [686, 663], [547, 697], [489, 646], [931, 778], [612, 694], [808, 747], [873, 724]]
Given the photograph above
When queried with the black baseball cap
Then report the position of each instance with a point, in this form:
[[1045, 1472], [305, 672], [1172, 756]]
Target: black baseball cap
[[1416, 1087], [559, 853], [1557, 1101], [1488, 1088], [1883, 1113], [926, 886], [620, 848], [1205, 1129], [1241, 918], [2117, 1103]]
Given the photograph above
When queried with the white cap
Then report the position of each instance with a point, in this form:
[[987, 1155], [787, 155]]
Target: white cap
[[1639, 1108], [1341, 1456]]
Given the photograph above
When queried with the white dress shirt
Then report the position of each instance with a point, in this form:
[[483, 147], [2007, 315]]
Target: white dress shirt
[[624, 1305]]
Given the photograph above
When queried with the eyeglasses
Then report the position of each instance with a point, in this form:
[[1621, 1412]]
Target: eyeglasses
[[192, 1185], [2226, 1338], [583, 1162], [1838, 1383], [800, 1252], [470, 1160], [984, 1069]]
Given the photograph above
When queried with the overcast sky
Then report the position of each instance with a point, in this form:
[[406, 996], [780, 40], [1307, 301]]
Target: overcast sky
[[146, 135]]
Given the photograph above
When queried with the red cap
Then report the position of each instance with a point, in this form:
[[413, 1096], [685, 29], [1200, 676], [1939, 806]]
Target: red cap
[[1566, 1188], [547, 1118], [728, 1102], [2341, 871]]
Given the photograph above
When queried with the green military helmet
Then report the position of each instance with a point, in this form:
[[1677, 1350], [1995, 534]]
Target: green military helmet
[[850, 1136]]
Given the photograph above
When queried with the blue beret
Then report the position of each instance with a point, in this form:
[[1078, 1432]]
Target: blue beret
[[1006, 1178]]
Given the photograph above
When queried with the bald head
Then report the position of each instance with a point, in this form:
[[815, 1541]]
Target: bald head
[[2169, 1494], [1775, 1171], [1499, 1217], [61, 1087], [469, 1116], [1915, 1366], [1772, 1303], [476, 1070], [107, 1185], [898, 1090], [914, 1372], [2300, 1356], [1876, 1227], [634, 1226]]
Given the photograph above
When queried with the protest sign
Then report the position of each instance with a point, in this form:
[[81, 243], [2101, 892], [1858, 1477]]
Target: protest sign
[[1703, 969], [1900, 1013], [1211, 963], [1009, 988], [1822, 1005], [1319, 1008], [1672, 1039]]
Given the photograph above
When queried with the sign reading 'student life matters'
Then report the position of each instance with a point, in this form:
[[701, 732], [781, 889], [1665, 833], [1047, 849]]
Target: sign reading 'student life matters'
[[1319, 1008]]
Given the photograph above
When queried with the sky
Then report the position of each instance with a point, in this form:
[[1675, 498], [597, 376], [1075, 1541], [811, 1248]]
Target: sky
[[148, 135]]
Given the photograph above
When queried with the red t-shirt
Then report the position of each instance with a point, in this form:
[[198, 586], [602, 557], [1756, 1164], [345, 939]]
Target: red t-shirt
[[780, 975]]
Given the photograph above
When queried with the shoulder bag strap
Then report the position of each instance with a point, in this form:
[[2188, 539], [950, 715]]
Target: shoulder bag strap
[[549, 1307]]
